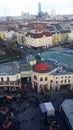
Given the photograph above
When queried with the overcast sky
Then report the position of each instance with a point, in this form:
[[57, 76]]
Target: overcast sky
[[15, 7]]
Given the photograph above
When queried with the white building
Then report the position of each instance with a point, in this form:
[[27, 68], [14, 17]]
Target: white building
[[43, 78], [20, 37], [10, 78], [9, 34]]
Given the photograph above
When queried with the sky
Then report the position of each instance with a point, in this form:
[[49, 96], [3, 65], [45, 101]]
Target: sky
[[15, 7]]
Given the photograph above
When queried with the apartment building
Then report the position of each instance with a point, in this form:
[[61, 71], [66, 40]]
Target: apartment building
[[37, 40], [56, 38]]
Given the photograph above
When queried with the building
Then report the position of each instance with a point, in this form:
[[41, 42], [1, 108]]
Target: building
[[38, 40], [10, 78], [70, 36], [45, 77], [31, 59], [9, 34], [67, 112], [20, 38], [2, 35], [42, 76], [56, 38]]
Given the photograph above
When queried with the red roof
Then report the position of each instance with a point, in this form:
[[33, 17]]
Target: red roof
[[41, 68], [38, 35]]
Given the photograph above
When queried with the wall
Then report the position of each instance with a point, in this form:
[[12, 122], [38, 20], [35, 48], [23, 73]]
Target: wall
[[39, 42]]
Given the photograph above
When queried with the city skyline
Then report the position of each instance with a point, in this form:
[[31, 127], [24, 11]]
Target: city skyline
[[14, 8]]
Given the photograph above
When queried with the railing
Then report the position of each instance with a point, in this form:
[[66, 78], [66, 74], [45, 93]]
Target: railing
[[10, 83]]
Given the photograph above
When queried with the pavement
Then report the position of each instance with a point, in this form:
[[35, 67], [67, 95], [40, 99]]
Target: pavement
[[27, 111]]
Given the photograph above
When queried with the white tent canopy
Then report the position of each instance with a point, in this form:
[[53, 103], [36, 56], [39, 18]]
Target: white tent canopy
[[47, 107]]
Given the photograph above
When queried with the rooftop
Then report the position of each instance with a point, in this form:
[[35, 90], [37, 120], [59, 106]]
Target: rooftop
[[41, 68], [67, 107], [9, 68], [25, 67], [62, 71], [38, 35]]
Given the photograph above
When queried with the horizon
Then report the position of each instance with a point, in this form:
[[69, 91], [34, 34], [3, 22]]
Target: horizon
[[14, 8]]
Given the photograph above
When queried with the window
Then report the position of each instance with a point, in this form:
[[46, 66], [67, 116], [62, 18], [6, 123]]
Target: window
[[46, 79], [56, 77], [65, 76], [1, 79], [69, 77], [62, 77], [41, 79], [35, 77], [65, 81], [61, 81], [7, 78], [56, 82], [51, 81], [68, 81]]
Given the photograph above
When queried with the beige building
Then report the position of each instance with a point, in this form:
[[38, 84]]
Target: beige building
[[2, 35], [36, 40], [67, 37], [20, 37], [56, 38], [70, 36], [9, 34]]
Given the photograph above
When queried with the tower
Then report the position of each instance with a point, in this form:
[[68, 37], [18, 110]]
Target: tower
[[39, 9]]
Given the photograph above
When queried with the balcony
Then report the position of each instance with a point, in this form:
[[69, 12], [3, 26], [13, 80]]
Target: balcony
[[10, 83]]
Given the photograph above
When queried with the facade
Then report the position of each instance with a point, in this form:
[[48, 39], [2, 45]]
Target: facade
[[54, 79], [20, 38], [41, 76], [65, 37], [47, 82], [56, 38], [63, 81], [70, 36], [37, 40], [9, 34], [10, 78], [10, 82], [2, 35]]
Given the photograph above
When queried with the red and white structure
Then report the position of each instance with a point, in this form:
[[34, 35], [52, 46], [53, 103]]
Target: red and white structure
[[40, 77]]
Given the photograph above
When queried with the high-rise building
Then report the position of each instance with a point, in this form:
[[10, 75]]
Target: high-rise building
[[40, 13], [39, 8]]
